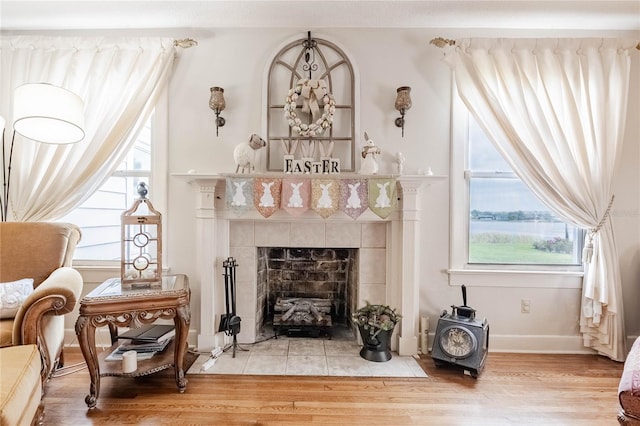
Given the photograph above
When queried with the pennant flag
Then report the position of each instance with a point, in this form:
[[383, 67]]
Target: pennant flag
[[296, 193], [325, 196], [239, 195], [266, 195], [383, 196], [354, 198]]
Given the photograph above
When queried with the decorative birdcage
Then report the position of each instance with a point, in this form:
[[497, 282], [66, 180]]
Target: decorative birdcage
[[141, 255]]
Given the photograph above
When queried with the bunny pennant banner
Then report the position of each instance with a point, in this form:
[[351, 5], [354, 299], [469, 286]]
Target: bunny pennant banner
[[383, 196], [325, 196], [296, 193], [266, 195], [239, 195], [354, 197]]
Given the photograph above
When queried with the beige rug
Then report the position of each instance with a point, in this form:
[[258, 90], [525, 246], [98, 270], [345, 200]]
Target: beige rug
[[307, 357]]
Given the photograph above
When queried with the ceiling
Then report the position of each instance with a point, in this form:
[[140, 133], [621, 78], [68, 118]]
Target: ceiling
[[126, 14]]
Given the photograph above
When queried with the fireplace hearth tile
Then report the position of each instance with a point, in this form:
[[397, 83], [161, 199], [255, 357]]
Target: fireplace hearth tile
[[306, 347], [317, 357], [307, 365], [227, 364], [348, 366], [266, 365], [272, 347], [341, 348]]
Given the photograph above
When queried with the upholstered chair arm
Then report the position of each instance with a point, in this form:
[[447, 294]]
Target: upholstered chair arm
[[56, 295]]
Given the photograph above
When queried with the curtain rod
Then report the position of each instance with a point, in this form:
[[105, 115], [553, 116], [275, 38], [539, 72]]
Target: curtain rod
[[442, 42], [185, 43]]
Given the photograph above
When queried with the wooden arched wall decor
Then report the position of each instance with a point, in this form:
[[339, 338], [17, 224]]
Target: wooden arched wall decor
[[312, 58]]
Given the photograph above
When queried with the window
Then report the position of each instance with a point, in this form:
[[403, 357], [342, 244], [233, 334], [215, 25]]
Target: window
[[99, 216], [497, 221]]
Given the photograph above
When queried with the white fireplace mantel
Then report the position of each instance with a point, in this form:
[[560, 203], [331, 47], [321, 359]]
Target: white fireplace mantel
[[403, 248]]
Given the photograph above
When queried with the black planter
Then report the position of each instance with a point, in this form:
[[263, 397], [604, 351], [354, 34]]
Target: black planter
[[376, 348]]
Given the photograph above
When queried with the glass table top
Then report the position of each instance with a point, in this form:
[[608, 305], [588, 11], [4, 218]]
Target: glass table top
[[112, 287]]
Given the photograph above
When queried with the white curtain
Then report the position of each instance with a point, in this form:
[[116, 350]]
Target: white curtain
[[119, 80], [556, 109]]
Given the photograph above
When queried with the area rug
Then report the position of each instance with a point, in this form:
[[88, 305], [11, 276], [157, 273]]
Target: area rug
[[306, 357]]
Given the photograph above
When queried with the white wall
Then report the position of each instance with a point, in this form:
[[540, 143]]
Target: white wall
[[386, 59]]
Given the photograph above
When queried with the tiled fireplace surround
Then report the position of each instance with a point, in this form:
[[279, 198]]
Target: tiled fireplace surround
[[389, 253]]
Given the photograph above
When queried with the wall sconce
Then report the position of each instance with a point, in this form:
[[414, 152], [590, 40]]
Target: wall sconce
[[217, 104], [403, 103]]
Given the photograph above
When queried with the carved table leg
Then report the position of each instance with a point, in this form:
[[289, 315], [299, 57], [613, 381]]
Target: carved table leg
[[181, 321], [86, 333]]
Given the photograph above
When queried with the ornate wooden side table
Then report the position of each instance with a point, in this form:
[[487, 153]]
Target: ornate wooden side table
[[110, 305]]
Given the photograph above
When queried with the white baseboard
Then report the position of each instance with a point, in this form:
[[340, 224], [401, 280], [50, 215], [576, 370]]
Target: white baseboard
[[542, 344]]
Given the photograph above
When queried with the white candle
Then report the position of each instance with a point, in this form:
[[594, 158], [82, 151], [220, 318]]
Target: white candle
[[424, 343], [424, 324], [129, 361]]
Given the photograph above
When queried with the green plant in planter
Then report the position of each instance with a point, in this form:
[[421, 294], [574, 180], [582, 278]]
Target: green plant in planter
[[375, 318]]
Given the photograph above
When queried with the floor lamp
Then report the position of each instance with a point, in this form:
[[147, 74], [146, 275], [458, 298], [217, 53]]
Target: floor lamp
[[43, 113]]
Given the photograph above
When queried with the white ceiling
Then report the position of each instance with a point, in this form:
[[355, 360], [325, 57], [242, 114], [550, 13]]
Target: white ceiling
[[126, 14]]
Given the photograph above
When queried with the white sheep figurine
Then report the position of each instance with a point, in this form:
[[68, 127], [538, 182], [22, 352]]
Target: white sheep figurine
[[244, 154]]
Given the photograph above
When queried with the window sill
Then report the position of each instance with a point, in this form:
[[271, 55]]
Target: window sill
[[515, 279], [97, 271]]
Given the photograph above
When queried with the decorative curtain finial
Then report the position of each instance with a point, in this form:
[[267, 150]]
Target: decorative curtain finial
[[442, 42], [185, 43]]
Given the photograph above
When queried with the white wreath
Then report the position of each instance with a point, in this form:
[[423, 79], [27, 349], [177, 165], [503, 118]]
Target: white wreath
[[311, 91]]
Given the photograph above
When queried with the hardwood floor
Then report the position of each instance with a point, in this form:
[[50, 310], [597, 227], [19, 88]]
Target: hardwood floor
[[513, 389]]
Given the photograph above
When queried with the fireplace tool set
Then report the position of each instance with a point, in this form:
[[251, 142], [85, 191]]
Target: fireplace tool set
[[229, 321]]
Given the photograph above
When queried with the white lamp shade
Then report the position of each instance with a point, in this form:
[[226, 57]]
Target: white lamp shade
[[47, 113]]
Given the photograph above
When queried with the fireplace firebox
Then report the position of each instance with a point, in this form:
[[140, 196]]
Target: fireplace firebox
[[310, 291]]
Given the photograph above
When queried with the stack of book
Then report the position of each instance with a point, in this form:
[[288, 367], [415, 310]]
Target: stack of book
[[146, 341]]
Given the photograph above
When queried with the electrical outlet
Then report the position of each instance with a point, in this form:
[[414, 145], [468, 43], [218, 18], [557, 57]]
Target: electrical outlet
[[525, 306]]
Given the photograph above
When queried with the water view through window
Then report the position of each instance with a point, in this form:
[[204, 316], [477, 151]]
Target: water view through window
[[507, 222]]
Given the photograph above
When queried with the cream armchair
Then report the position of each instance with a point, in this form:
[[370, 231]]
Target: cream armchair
[[41, 251]]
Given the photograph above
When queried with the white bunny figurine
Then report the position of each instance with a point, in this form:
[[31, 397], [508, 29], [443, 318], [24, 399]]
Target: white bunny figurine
[[369, 165]]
